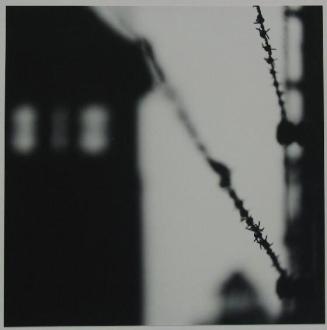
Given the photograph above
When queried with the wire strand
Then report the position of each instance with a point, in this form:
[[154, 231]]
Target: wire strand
[[263, 33], [217, 167]]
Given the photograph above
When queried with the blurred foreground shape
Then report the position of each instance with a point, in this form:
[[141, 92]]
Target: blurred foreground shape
[[72, 215]]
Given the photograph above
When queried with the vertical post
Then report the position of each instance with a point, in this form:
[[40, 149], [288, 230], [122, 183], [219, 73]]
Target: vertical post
[[305, 233]]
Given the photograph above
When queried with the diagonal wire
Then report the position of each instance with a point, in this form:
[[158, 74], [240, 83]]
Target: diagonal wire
[[217, 167], [263, 32]]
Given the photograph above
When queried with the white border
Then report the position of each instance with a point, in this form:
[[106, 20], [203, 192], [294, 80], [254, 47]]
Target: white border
[[199, 3], [228, 3]]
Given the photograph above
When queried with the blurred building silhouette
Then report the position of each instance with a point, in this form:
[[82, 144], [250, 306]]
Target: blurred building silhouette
[[72, 213], [240, 302], [72, 190], [304, 298]]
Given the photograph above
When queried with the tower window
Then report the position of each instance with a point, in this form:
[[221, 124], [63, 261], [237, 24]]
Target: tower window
[[94, 129], [59, 137], [24, 129]]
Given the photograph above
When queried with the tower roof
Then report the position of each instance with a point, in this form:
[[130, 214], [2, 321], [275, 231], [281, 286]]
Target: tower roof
[[68, 53]]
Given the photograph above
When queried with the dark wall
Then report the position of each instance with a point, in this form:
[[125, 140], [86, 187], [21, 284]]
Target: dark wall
[[312, 262], [305, 234], [72, 221]]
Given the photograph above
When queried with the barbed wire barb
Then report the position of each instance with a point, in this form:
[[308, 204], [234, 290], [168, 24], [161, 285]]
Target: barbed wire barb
[[218, 167], [263, 33]]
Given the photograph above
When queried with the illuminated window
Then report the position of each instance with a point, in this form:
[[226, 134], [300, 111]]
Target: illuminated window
[[295, 106], [59, 137], [295, 49], [94, 135], [294, 200], [24, 126], [294, 152]]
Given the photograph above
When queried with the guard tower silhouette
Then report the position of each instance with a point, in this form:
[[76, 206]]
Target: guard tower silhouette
[[72, 209]]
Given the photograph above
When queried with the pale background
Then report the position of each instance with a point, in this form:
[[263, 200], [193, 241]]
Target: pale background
[[189, 221], [193, 237]]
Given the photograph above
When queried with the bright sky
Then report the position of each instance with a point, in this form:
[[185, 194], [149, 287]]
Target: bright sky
[[193, 237]]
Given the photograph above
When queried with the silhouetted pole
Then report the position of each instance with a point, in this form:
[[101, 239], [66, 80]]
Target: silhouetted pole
[[305, 233]]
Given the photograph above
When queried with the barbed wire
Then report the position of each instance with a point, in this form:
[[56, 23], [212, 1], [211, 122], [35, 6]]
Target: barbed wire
[[263, 32], [217, 167]]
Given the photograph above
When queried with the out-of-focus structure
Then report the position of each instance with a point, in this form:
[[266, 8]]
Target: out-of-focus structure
[[304, 165], [72, 215], [73, 230], [241, 304]]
